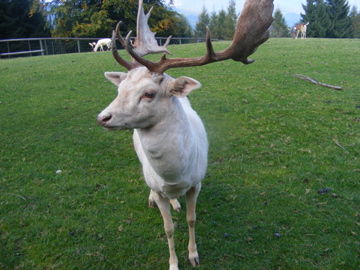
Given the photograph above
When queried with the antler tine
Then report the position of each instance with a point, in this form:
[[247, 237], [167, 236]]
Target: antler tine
[[209, 46], [167, 42], [116, 35], [120, 38], [251, 31]]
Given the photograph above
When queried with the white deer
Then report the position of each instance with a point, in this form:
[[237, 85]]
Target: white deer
[[101, 43], [169, 136]]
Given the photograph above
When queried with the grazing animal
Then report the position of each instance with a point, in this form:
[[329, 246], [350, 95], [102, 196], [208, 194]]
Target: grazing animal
[[300, 28], [169, 137], [101, 43]]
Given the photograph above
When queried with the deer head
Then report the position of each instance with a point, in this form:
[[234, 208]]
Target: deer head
[[143, 99], [145, 92]]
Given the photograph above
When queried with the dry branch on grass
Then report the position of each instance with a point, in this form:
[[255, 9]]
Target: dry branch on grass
[[306, 78]]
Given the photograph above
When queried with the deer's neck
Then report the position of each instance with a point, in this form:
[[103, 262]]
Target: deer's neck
[[171, 144]]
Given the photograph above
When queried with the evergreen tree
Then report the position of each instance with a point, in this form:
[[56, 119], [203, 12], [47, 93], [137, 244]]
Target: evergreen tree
[[213, 25], [279, 27], [355, 19], [230, 20], [340, 19], [222, 24], [310, 16], [202, 23], [321, 26], [22, 19], [220, 30]]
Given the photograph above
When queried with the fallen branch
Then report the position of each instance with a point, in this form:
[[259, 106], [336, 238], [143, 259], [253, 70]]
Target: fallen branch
[[16, 195], [338, 144], [306, 78]]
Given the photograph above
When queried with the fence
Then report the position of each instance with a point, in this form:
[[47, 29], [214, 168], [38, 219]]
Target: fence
[[48, 46]]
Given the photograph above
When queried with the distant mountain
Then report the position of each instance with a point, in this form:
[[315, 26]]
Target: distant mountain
[[192, 17]]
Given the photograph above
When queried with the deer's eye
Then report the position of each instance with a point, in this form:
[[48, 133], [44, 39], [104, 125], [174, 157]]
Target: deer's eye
[[149, 95]]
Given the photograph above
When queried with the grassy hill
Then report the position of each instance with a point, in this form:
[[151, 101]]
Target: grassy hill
[[282, 190]]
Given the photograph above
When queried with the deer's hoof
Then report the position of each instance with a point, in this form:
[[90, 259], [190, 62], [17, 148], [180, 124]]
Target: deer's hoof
[[194, 260], [173, 267]]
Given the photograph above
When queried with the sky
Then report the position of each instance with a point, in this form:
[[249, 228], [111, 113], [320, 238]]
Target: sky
[[286, 6]]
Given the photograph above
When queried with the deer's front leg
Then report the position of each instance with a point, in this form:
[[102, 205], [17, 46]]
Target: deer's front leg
[[191, 197], [164, 206]]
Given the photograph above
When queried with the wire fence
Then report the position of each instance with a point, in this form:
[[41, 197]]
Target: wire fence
[[48, 46]]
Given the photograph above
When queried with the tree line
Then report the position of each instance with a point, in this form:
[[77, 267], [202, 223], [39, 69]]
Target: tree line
[[326, 18], [221, 24], [97, 18], [84, 18]]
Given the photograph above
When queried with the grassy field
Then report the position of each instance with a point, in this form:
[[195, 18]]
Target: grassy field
[[282, 190]]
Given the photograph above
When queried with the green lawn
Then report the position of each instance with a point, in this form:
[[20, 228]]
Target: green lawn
[[282, 190]]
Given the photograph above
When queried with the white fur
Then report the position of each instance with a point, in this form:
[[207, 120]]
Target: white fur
[[101, 43], [173, 153], [169, 139]]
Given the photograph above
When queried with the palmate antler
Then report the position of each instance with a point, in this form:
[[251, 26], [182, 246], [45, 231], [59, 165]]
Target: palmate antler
[[145, 42], [251, 31]]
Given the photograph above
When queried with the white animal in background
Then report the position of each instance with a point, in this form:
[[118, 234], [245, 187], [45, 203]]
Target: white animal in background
[[101, 43], [169, 136]]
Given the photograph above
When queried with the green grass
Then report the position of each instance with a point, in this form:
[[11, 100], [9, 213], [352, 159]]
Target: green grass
[[275, 141]]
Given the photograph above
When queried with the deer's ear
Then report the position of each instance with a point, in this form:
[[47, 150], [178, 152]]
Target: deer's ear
[[115, 77], [182, 86]]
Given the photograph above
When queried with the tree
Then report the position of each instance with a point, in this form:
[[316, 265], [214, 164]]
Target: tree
[[72, 17], [213, 25], [22, 19], [175, 25], [327, 19], [230, 20], [97, 18], [221, 33], [317, 14], [279, 27], [310, 16], [355, 19], [221, 24], [202, 23], [340, 19], [321, 26]]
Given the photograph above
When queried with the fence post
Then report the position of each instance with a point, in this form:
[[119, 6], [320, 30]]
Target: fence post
[[52, 46], [29, 47], [46, 48], [78, 45], [41, 47]]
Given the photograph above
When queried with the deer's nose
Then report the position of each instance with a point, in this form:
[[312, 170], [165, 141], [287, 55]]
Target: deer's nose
[[102, 119]]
